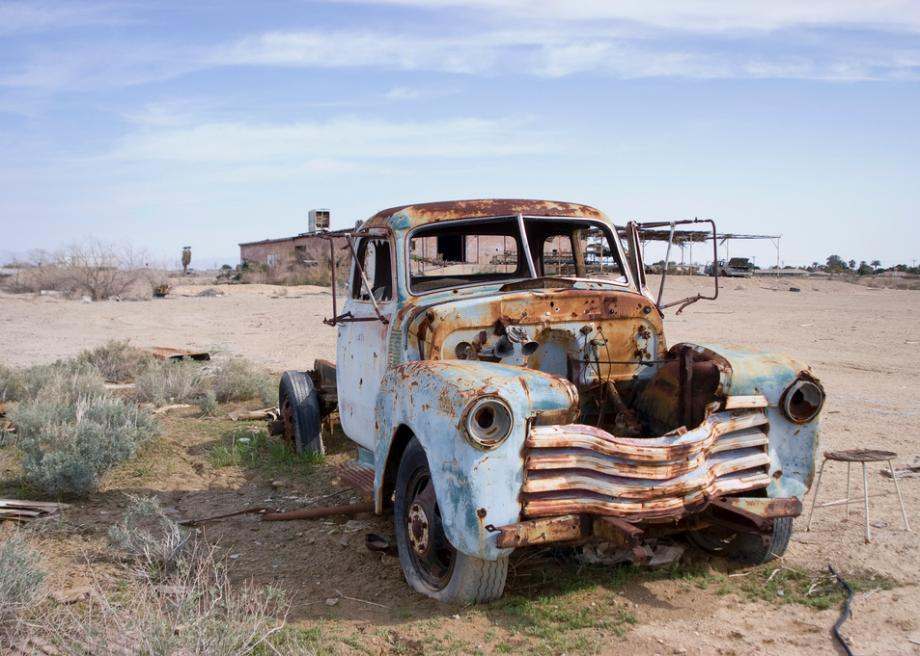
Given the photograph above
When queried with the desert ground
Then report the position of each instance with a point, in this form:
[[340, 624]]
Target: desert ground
[[864, 345]]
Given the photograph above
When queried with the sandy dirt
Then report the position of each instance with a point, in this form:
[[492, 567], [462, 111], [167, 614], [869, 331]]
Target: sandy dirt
[[864, 344]]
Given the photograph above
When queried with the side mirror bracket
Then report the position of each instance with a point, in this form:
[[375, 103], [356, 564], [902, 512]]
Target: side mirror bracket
[[684, 302]]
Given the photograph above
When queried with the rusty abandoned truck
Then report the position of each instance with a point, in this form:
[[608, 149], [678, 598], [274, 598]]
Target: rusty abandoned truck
[[503, 369]]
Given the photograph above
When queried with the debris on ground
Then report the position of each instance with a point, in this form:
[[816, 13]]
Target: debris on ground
[[209, 292], [170, 353], [652, 555], [72, 595], [380, 544], [904, 471], [845, 612], [173, 406], [265, 414], [18, 510]]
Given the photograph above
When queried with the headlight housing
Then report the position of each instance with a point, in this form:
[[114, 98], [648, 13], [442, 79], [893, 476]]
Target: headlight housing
[[488, 422], [803, 400]]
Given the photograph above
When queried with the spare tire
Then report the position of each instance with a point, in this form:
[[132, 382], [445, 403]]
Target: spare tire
[[300, 413]]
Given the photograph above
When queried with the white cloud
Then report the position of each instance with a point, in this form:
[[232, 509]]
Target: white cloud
[[625, 39], [36, 16], [555, 53], [698, 15], [327, 144], [402, 94]]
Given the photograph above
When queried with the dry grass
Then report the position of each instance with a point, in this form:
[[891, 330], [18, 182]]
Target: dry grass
[[171, 382], [237, 379], [117, 361], [154, 544], [21, 581]]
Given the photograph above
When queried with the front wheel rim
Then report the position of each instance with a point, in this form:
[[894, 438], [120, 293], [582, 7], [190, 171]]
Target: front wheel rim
[[432, 556]]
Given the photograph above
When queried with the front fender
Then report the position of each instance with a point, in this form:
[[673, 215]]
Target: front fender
[[793, 447], [475, 487]]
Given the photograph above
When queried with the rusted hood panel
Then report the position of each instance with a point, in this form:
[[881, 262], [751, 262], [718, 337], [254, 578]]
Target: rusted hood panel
[[627, 322]]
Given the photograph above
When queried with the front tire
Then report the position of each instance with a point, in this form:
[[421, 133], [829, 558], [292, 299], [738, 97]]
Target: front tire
[[301, 420], [429, 562], [745, 547]]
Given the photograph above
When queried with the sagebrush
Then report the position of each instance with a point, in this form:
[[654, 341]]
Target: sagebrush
[[63, 381], [68, 445]]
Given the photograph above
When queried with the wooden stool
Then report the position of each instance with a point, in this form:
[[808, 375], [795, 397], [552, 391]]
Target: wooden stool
[[863, 456]]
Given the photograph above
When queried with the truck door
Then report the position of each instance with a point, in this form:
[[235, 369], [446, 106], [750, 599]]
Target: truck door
[[363, 331]]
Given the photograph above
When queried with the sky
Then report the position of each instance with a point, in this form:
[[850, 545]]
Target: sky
[[163, 124]]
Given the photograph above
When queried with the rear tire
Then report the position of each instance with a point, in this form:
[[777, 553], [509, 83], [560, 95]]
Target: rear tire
[[300, 413], [429, 562], [745, 547]]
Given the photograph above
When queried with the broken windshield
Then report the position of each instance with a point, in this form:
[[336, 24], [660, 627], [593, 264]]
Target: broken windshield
[[486, 251]]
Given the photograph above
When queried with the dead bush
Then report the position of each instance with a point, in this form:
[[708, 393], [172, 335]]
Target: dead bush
[[95, 269], [171, 382], [237, 379], [10, 384], [195, 612], [207, 403], [117, 361], [154, 543], [21, 581]]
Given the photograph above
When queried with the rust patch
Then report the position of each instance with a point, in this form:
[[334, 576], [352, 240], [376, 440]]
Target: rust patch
[[478, 208]]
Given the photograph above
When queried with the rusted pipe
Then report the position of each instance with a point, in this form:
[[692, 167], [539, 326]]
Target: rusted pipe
[[318, 513]]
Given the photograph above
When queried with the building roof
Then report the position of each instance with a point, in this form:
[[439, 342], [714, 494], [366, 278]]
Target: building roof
[[405, 217]]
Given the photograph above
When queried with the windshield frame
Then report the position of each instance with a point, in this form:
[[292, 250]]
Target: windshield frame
[[612, 236]]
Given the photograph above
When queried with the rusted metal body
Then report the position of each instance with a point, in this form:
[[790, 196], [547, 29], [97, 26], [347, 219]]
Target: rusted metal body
[[609, 431]]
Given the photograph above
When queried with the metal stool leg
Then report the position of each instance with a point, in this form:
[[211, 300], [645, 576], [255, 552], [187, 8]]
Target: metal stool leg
[[866, 503], [811, 513], [846, 502], [897, 486]]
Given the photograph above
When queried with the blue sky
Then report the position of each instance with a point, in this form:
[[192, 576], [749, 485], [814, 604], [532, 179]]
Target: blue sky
[[162, 124]]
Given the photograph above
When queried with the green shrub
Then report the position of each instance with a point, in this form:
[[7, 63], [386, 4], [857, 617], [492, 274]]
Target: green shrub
[[171, 382], [20, 581], [248, 447], [237, 379], [117, 361], [68, 446]]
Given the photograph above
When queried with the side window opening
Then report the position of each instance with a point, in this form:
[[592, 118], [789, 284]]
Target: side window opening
[[374, 256]]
